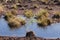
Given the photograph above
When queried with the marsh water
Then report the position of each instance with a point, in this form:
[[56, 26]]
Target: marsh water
[[51, 31]]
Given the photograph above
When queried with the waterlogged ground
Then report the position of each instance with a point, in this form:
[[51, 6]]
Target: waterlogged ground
[[52, 31]]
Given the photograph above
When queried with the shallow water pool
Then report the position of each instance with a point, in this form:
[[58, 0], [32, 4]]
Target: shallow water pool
[[52, 31]]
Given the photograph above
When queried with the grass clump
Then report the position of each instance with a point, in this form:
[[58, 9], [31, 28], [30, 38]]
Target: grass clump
[[43, 18], [42, 12], [56, 17], [45, 1], [34, 6], [1, 9], [13, 21], [43, 22], [28, 13]]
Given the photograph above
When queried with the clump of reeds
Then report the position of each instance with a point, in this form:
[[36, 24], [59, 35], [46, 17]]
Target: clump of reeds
[[44, 1], [1, 9], [13, 21], [56, 16], [28, 13], [43, 18]]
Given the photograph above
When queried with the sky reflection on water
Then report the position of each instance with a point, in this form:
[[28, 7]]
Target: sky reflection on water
[[48, 32]]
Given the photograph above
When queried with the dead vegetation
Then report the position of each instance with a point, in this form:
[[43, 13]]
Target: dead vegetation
[[43, 18], [13, 21], [56, 16], [28, 13]]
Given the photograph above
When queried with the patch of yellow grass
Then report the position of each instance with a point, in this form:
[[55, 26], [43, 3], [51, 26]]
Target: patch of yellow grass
[[46, 1], [43, 17], [42, 12], [36, 5], [13, 21], [1, 7], [28, 13], [57, 13]]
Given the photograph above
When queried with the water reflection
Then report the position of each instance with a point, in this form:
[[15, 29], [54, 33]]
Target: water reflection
[[6, 31], [52, 31]]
